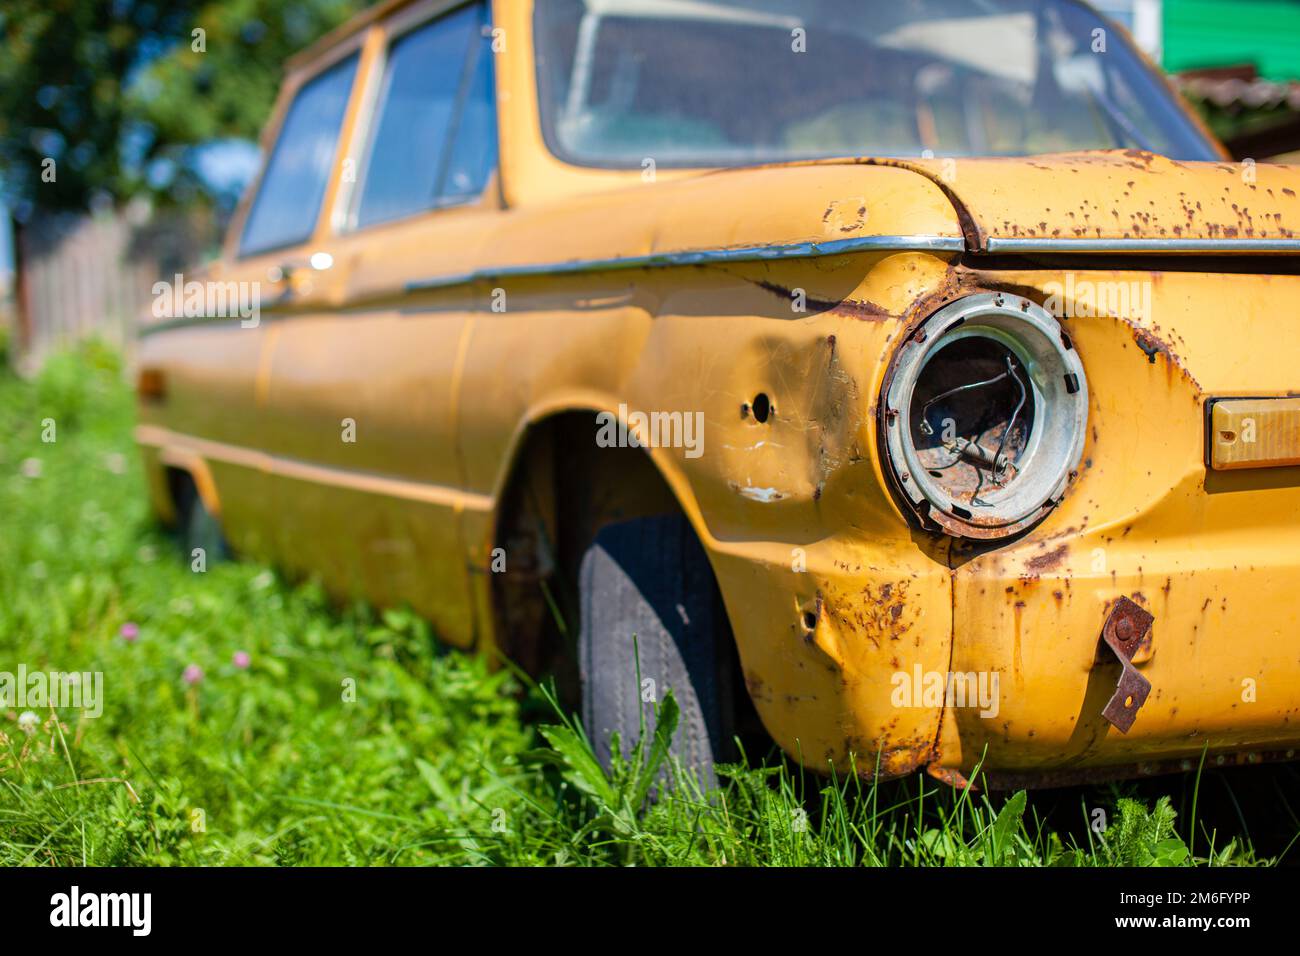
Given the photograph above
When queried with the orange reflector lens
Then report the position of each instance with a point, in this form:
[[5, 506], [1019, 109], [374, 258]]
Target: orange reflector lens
[[1254, 433]]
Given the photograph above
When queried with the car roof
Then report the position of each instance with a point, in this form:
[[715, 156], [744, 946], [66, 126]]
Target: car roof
[[356, 24]]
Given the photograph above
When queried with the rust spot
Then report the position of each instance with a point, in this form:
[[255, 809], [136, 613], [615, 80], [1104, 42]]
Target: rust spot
[[951, 776], [876, 614], [1049, 560], [1152, 345], [757, 689]]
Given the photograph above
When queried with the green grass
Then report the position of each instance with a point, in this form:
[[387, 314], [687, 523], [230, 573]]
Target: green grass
[[434, 761]]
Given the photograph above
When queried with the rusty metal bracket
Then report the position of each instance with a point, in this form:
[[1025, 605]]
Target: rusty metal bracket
[[1125, 627]]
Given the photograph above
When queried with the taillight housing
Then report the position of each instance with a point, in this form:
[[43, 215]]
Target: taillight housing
[[984, 416]]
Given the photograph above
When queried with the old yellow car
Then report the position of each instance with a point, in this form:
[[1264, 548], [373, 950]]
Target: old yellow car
[[918, 378]]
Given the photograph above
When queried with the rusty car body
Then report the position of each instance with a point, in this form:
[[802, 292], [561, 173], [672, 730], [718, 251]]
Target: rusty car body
[[1114, 314]]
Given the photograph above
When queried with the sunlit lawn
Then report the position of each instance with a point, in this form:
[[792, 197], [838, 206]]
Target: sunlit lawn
[[247, 720]]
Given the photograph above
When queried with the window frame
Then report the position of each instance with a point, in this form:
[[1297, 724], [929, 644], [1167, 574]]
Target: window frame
[[394, 29], [293, 86]]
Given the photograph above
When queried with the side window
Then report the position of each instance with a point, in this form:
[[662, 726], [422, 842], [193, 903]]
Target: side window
[[293, 186], [434, 139], [472, 154]]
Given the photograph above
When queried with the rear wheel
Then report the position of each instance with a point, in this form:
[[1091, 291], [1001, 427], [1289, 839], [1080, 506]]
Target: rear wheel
[[197, 527], [647, 597]]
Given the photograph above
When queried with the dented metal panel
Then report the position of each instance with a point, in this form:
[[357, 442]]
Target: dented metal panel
[[1207, 553]]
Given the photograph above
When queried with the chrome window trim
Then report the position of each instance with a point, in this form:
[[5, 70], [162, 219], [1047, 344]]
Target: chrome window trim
[[660, 260], [1144, 246]]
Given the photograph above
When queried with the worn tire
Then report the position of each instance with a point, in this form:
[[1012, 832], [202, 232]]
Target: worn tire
[[198, 527], [649, 578]]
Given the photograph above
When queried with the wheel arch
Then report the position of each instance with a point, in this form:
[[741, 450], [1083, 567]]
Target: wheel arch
[[179, 466], [543, 522]]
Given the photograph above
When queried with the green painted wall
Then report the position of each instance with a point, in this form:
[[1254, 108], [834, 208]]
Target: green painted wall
[[1201, 33]]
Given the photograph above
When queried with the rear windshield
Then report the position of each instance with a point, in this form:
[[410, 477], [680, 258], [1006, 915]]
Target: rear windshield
[[726, 82]]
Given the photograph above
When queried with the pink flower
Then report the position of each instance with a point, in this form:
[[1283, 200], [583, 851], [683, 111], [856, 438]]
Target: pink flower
[[242, 660], [130, 632], [193, 674]]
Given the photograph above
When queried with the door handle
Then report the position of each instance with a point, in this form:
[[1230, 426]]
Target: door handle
[[293, 275]]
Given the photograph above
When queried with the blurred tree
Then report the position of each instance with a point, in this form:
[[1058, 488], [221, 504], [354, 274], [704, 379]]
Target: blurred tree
[[103, 100]]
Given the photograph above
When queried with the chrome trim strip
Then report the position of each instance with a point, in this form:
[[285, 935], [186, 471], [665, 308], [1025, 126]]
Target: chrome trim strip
[[1252, 247], [166, 325], [660, 260], [654, 260]]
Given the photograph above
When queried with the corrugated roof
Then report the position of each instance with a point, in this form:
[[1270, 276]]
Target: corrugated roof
[[1235, 91]]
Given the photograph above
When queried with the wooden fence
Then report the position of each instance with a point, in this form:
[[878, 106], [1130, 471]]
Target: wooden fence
[[91, 276]]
